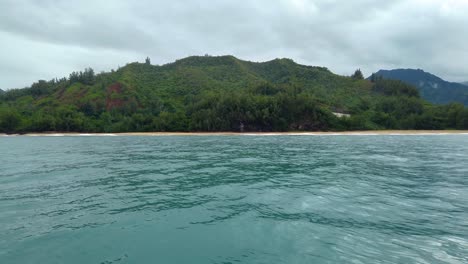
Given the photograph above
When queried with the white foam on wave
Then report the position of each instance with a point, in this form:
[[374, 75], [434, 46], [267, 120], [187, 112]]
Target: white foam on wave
[[309, 134], [92, 135], [95, 135], [55, 135], [71, 135], [425, 134], [260, 134]]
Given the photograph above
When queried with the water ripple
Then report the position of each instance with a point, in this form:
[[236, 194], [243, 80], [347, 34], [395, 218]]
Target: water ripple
[[220, 199]]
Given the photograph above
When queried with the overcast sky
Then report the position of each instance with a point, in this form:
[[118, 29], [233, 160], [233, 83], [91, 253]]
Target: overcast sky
[[43, 39]]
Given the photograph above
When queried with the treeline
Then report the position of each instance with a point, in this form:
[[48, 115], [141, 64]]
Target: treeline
[[265, 107], [43, 87]]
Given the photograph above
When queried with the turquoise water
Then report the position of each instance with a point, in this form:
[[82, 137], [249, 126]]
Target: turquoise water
[[234, 199]]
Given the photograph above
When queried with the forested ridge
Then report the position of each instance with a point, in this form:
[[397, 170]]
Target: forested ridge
[[206, 93], [431, 88]]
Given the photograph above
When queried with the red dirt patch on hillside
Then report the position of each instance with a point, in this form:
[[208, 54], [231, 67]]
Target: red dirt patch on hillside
[[112, 103]]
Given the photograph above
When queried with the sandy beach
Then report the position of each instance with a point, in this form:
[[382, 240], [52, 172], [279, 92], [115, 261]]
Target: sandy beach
[[356, 133]]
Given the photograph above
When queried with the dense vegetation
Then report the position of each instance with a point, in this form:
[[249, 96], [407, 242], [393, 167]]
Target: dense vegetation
[[431, 87], [221, 94]]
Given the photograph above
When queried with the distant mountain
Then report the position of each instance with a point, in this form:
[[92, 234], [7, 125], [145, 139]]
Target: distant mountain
[[465, 83], [431, 87], [1, 91]]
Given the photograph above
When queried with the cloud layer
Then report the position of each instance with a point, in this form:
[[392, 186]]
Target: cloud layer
[[50, 38]]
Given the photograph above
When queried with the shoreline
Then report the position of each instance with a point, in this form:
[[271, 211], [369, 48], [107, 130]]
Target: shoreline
[[342, 133]]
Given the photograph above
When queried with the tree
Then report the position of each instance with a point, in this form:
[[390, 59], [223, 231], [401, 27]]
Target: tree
[[39, 88], [74, 77], [395, 88], [88, 76], [375, 78], [357, 75], [148, 61], [10, 120]]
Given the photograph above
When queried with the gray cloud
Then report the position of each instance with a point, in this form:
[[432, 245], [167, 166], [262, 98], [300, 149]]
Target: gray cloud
[[50, 38]]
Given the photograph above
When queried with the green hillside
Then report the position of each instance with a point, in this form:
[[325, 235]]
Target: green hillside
[[220, 94]]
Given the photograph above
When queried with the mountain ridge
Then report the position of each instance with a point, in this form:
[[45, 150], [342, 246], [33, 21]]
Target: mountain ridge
[[431, 87]]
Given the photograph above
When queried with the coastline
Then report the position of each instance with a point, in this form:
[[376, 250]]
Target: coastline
[[342, 133]]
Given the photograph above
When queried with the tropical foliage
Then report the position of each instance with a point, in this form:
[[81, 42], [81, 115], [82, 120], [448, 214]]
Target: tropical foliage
[[220, 94]]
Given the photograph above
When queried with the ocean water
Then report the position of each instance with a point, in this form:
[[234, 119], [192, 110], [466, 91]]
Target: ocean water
[[234, 199]]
